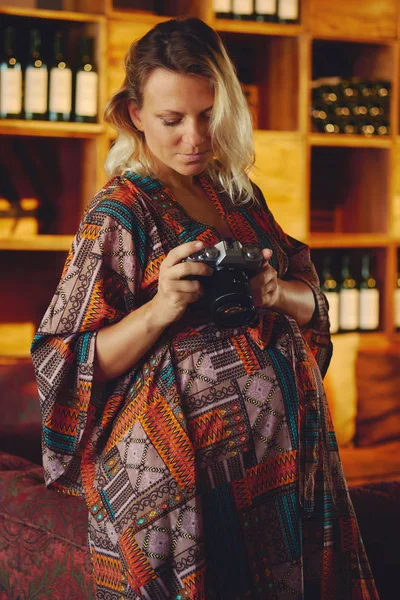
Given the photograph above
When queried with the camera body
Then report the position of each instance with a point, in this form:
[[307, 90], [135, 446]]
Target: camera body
[[227, 294]]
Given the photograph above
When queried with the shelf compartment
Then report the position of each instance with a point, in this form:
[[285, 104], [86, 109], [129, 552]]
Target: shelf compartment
[[54, 171], [73, 25], [272, 64], [348, 19], [364, 62], [50, 129], [379, 257], [350, 190]]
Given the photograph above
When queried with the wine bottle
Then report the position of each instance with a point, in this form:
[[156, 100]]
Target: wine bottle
[[86, 84], [10, 79], [60, 83], [382, 128], [222, 9], [288, 11], [330, 288], [242, 9], [369, 297], [331, 126], [397, 300], [265, 10], [348, 299], [36, 80]]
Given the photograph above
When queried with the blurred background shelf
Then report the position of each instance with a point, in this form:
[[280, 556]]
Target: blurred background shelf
[[38, 243], [50, 129]]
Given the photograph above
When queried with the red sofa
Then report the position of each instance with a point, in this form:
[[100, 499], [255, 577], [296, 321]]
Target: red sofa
[[43, 545]]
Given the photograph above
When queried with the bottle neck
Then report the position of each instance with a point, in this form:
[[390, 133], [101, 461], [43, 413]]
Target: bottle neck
[[9, 42]]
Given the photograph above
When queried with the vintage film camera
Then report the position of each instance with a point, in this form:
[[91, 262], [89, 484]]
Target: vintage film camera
[[226, 293]]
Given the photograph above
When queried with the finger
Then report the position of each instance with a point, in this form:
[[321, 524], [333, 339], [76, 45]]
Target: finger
[[267, 255], [184, 286], [176, 255], [193, 269]]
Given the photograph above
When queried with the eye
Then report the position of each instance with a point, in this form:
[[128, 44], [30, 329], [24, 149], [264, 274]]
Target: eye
[[169, 123]]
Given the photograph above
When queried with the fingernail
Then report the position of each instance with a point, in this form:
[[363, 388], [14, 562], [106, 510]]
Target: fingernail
[[198, 244]]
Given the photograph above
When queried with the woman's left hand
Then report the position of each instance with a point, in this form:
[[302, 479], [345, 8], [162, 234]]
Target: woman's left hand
[[264, 286]]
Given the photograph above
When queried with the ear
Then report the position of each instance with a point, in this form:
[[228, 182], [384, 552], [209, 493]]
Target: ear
[[134, 113]]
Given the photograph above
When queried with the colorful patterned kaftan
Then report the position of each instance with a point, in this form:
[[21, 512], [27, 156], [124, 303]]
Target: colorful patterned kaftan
[[210, 469]]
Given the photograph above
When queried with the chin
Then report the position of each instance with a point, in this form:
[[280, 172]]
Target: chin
[[192, 169]]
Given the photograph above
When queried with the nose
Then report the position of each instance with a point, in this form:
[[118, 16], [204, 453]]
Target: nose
[[195, 133]]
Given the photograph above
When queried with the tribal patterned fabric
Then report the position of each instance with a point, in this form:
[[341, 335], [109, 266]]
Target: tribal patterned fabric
[[210, 469]]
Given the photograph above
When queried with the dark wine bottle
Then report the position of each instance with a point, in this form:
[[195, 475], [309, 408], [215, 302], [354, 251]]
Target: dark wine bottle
[[330, 288], [10, 79], [265, 10], [222, 9], [60, 83], [242, 9], [36, 80], [288, 11], [369, 297], [349, 299], [86, 84]]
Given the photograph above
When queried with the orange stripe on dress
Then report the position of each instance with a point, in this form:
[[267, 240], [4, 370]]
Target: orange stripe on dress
[[171, 442], [140, 571]]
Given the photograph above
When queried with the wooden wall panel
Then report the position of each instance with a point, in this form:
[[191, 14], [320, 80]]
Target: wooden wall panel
[[120, 36], [280, 173], [395, 205], [372, 19]]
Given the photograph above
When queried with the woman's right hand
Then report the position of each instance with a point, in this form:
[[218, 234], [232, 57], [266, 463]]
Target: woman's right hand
[[174, 291]]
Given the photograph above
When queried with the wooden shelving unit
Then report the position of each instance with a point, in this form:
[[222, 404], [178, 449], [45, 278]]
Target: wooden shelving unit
[[355, 179]]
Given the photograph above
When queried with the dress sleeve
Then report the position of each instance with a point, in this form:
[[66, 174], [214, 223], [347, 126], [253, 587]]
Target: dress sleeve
[[98, 287], [300, 267]]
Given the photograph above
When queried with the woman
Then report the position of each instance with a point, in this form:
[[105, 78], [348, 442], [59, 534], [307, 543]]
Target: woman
[[206, 455]]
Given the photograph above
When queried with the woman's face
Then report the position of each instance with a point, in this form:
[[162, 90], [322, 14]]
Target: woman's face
[[175, 121]]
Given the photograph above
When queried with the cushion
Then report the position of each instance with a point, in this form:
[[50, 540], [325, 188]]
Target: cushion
[[378, 383], [377, 508], [341, 388], [43, 537]]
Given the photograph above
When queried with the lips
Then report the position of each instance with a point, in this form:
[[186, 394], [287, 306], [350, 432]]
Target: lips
[[197, 156]]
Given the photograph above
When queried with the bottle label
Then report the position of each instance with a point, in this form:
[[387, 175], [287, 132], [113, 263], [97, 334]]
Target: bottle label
[[243, 7], [265, 7], [369, 309], [11, 91], [349, 310], [60, 97], [222, 6], [288, 10], [333, 300], [36, 90], [397, 308], [86, 94]]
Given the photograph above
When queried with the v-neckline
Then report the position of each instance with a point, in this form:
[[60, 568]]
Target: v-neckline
[[209, 190]]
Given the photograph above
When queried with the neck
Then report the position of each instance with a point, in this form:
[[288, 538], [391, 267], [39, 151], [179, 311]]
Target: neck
[[172, 179]]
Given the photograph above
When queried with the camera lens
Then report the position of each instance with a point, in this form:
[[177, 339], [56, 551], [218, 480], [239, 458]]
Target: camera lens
[[229, 298]]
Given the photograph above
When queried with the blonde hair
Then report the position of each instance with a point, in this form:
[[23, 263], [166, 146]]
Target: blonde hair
[[188, 47]]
